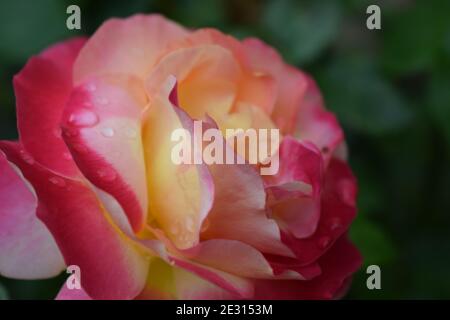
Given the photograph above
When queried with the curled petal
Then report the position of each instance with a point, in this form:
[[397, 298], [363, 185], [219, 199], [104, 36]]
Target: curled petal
[[178, 280], [294, 192], [342, 260], [317, 125], [223, 254], [42, 89], [239, 211], [27, 249], [233, 285], [254, 88], [337, 212], [126, 46], [112, 266], [189, 185], [291, 82], [206, 76], [102, 127]]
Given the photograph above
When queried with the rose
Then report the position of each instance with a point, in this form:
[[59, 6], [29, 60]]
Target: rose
[[90, 182]]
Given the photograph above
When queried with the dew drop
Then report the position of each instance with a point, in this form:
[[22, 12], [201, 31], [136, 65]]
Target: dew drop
[[324, 242], [67, 156], [347, 192], [190, 224], [108, 132], [174, 229], [26, 157], [91, 87], [107, 174], [57, 181], [79, 148], [205, 225], [130, 133], [70, 132], [83, 118], [335, 223], [102, 101], [57, 133], [138, 51]]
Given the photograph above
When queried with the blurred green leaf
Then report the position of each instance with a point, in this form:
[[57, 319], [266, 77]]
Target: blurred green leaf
[[302, 30], [194, 13], [414, 36], [3, 293], [375, 246], [26, 27], [362, 98], [439, 102]]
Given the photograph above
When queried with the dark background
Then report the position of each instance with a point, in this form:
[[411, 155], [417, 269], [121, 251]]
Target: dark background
[[390, 88]]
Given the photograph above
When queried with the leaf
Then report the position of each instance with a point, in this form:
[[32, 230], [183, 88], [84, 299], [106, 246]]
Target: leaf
[[302, 30], [413, 37], [3, 293], [375, 246], [26, 28], [439, 103], [363, 100]]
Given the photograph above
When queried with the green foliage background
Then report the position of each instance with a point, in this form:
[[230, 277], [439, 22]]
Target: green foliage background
[[390, 89]]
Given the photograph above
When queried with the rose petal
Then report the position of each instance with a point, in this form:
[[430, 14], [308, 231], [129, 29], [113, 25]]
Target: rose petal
[[338, 211], [112, 266], [316, 124], [236, 258], [166, 281], [207, 79], [233, 285], [42, 89], [72, 294], [102, 127], [338, 264], [126, 46], [254, 88], [27, 249], [239, 211], [291, 82], [294, 205], [188, 186]]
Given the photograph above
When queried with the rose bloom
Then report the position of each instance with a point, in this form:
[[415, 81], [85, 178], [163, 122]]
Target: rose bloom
[[90, 181]]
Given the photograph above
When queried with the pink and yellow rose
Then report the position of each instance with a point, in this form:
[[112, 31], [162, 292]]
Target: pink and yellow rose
[[90, 181]]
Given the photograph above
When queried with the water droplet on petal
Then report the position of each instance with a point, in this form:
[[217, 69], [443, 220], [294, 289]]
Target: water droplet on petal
[[347, 192], [80, 148], [57, 181], [324, 242], [83, 118], [190, 224], [130, 133], [108, 132], [107, 174], [67, 156], [335, 223], [205, 225], [70, 132], [26, 157], [174, 229], [102, 101], [57, 133], [91, 87]]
